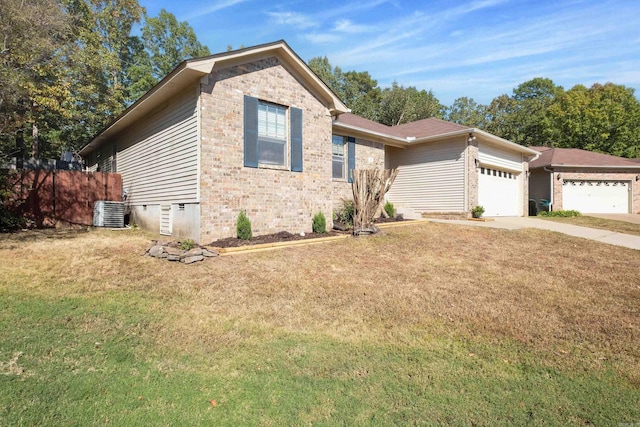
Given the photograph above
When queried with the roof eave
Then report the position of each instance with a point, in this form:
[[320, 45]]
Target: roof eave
[[557, 165], [373, 135], [506, 143], [192, 69]]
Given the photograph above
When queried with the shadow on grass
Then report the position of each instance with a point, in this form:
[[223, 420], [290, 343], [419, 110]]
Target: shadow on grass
[[25, 236]]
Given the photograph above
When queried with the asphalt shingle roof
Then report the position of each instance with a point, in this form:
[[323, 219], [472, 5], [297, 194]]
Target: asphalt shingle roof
[[577, 157], [418, 129]]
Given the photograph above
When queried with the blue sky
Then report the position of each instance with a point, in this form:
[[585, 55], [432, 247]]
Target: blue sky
[[479, 49]]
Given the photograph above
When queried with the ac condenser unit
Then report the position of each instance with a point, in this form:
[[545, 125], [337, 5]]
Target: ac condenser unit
[[108, 214]]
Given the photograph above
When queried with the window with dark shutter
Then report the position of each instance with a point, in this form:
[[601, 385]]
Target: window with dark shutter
[[351, 154], [296, 139], [250, 132]]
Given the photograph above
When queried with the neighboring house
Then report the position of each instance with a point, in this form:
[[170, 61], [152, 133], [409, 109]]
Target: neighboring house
[[446, 168], [574, 179], [256, 130]]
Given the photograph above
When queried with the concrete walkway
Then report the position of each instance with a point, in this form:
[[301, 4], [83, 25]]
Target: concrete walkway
[[516, 223]]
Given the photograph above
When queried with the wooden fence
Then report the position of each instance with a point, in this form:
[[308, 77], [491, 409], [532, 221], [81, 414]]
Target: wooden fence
[[51, 198]]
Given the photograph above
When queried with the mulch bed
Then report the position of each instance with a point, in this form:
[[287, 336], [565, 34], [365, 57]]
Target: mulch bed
[[283, 236]]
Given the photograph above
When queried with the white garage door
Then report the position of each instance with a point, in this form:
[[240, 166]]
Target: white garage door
[[498, 192], [596, 196]]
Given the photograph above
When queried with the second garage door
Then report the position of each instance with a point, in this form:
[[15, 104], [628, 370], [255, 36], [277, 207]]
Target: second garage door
[[498, 192], [595, 196]]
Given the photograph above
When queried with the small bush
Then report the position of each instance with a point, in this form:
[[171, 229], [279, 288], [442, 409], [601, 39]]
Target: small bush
[[346, 213], [390, 209], [243, 227], [477, 212], [319, 223], [187, 245], [560, 214]]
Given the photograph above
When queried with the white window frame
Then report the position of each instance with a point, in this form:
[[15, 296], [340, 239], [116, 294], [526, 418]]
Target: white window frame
[[273, 130], [336, 155]]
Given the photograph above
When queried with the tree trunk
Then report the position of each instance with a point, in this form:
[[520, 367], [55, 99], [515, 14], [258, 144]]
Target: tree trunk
[[35, 149], [369, 188]]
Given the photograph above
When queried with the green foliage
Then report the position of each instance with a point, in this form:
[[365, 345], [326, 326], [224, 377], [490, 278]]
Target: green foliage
[[466, 111], [70, 66], [560, 214], [390, 209], [346, 213], [319, 223], [401, 105], [187, 245], [243, 227], [356, 89], [477, 212], [170, 42], [8, 220]]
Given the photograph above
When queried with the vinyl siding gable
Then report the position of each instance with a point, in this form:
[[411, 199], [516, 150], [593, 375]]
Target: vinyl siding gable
[[158, 158]]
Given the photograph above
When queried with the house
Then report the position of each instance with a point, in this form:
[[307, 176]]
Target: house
[[256, 130], [448, 169], [574, 179]]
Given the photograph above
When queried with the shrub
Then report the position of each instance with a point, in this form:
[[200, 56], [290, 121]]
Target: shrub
[[390, 209], [560, 214], [345, 213], [243, 227], [477, 212], [187, 245], [319, 223]]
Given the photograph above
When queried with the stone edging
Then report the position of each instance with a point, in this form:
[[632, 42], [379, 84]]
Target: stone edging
[[171, 252]]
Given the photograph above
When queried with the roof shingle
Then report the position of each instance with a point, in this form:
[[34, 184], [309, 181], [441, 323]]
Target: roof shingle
[[577, 157]]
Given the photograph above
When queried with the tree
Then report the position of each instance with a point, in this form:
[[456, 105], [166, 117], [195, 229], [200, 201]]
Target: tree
[[604, 118], [501, 119], [356, 89], [466, 111], [170, 42], [97, 65], [523, 117], [32, 35], [403, 105], [533, 99]]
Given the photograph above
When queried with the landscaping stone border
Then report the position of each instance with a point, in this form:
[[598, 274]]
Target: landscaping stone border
[[171, 252]]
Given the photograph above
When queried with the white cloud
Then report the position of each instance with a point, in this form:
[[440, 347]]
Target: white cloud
[[347, 26], [211, 9], [294, 19]]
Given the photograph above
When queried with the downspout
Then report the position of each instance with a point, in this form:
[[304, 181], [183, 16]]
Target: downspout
[[550, 187]]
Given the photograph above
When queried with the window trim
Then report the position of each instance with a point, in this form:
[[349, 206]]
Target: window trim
[[344, 157]]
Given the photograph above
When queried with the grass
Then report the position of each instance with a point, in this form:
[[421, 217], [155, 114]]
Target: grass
[[600, 223], [426, 324]]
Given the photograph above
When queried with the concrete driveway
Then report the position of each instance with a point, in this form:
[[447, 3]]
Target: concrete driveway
[[515, 223], [634, 218]]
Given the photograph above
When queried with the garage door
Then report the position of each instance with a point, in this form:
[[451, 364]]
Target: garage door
[[498, 192], [596, 196]]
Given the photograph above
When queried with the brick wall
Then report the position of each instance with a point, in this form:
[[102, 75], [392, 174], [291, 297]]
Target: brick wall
[[369, 155], [595, 174], [274, 199]]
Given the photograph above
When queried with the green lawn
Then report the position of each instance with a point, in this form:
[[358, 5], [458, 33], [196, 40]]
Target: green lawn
[[428, 324]]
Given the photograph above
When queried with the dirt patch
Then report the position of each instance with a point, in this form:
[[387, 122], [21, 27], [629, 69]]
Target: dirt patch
[[283, 236]]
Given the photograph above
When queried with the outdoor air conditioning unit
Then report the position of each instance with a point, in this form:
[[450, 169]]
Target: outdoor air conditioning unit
[[108, 214]]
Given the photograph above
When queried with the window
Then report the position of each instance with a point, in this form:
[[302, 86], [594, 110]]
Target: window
[[270, 131], [337, 151], [272, 134]]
